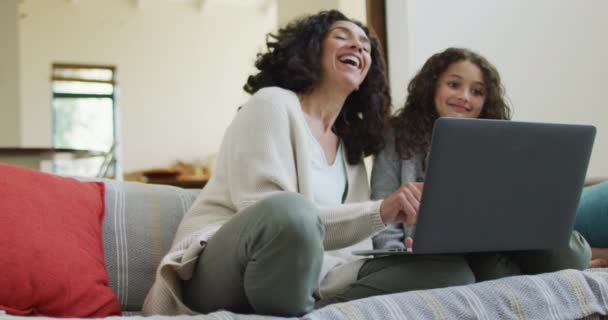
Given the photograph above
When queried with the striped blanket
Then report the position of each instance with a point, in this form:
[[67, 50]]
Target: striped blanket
[[567, 294]]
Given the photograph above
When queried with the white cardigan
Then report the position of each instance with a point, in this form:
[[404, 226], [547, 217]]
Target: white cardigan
[[265, 150]]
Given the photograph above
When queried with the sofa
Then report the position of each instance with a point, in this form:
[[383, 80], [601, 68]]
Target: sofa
[[139, 221]]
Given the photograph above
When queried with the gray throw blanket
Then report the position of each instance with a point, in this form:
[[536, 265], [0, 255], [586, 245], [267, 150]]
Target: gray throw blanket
[[567, 294]]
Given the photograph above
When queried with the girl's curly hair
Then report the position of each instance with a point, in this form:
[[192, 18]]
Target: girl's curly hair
[[413, 124], [293, 61]]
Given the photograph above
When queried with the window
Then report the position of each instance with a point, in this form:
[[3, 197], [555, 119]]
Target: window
[[83, 113]]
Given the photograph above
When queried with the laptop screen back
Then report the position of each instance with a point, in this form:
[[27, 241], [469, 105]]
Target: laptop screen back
[[497, 185]]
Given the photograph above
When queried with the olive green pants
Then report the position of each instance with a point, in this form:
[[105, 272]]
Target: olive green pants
[[265, 260], [399, 273], [490, 266], [393, 274]]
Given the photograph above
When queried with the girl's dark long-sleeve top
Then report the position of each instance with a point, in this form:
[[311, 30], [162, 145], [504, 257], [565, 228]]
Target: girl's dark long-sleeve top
[[388, 173]]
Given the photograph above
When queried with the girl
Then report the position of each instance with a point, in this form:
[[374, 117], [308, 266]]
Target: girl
[[455, 83]]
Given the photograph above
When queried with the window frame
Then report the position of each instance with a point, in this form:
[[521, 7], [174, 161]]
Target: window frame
[[111, 96]]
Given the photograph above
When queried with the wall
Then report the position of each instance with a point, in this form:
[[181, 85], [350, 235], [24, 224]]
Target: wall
[[180, 69], [551, 54], [397, 37], [290, 9], [9, 75]]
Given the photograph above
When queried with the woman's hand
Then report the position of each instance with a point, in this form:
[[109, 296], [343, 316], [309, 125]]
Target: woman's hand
[[402, 206]]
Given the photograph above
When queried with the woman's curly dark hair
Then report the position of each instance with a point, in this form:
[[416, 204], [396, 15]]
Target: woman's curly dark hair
[[293, 61], [413, 124]]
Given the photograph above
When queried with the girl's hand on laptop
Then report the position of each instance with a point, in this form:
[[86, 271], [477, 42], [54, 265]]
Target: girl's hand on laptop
[[402, 205], [409, 243]]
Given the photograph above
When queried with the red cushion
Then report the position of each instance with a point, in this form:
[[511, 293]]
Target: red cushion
[[51, 260]]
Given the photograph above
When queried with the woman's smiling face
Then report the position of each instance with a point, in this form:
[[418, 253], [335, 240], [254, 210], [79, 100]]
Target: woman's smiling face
[[345, 55]]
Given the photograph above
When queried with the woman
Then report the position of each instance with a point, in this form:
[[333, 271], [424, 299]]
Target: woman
[[455, 83], [273, 230]]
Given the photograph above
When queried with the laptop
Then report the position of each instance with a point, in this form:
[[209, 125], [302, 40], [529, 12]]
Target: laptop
[[499, 185]]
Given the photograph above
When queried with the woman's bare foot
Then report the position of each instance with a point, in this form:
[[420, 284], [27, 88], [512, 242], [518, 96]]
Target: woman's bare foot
[[599, 258], [598, 263]]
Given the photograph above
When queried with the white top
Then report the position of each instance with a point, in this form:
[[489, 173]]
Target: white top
[[329, 184], [266, 150], [328, 180]]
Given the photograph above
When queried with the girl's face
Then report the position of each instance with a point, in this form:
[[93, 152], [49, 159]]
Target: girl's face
[[345, 55], [460, 91]]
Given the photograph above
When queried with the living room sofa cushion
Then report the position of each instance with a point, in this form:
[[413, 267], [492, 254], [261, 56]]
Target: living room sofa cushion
[[592, 215], [138, 230], [52, 255]]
